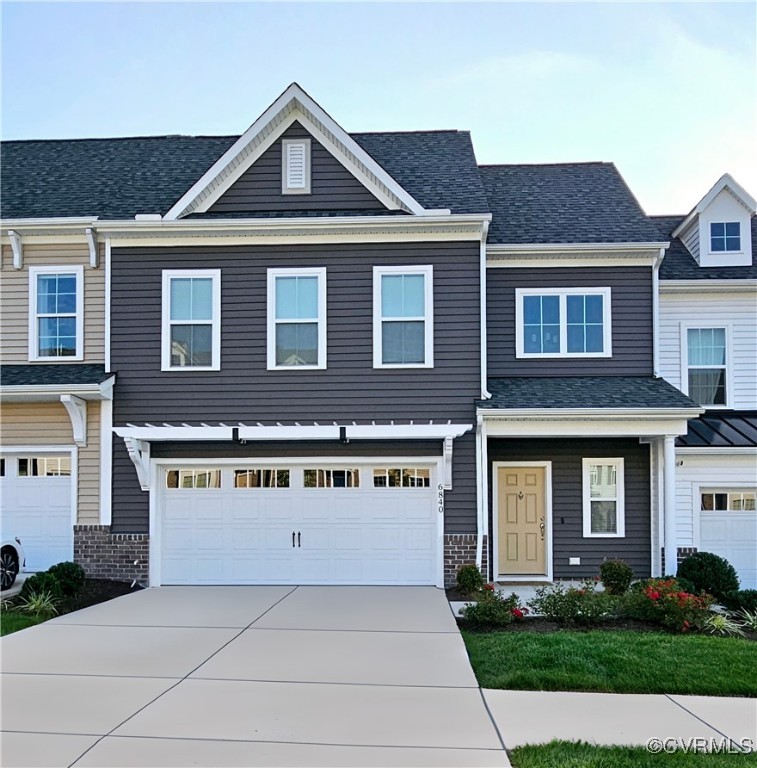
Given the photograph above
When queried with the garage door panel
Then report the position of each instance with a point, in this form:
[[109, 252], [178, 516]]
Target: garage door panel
[[732, 535]]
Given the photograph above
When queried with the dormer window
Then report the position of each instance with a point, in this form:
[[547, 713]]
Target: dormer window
[[725, 236], [295, 167]]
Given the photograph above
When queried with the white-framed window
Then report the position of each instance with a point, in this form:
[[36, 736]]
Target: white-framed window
[[725, 236], [295, 166], [261, 478], [191, 330], [44, 466], [563, 322], [403, 317], [728, 500], [331, 478], [705, 365], [297, 318], [56, 313], [603, 498], [407, 477], [193, 478]]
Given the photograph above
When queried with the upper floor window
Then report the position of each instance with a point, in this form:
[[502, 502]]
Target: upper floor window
[[568, 322], [707, 365], [295, 166], [56, 313], [297, 318], [403, 317], [725, 236], [603, 498], [191, 320]]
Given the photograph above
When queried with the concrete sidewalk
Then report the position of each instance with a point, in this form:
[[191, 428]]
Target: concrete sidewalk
[[538, 717]]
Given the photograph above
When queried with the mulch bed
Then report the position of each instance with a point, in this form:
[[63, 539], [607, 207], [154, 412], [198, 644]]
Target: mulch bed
[[97, 591]]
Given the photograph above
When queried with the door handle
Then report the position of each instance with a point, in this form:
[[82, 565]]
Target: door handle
[[298, 539], [541, 528], [292, 538]]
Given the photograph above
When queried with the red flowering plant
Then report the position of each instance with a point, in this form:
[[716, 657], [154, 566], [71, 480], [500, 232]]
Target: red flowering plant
[[493, 610], [663, 602]]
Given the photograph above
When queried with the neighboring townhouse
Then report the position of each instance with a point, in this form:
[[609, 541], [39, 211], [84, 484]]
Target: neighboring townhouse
[[55, 394], [708, 348]]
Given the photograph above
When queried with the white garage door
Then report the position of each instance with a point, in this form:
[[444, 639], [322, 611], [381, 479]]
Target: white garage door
[[728, 527], [299, 524], [36, 506]]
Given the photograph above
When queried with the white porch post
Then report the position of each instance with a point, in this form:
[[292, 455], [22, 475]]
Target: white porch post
[[669, 475]]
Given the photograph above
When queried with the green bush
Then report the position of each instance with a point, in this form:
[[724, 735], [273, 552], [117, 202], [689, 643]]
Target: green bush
[[70, 576], [585, 605], [663, 602], [43, 605], [709, 573], [492, 610], [742, 600], [470, 580], [42, 583], [616, 576]]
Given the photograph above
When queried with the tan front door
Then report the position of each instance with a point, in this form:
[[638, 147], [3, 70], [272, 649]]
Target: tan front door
[[521, 541]]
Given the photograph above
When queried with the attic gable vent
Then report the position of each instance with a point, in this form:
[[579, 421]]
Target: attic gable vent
[[295, 171]]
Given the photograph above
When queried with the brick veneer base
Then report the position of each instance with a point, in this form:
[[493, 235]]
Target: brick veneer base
[[460, 549], [117, 556], [681, 555]]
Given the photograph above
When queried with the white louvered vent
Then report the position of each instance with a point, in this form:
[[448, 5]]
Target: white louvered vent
[[296, 166]]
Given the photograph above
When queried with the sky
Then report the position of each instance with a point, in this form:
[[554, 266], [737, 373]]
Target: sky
[[667, 91]]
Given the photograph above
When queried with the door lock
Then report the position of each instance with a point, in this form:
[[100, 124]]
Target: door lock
[[520, 494]]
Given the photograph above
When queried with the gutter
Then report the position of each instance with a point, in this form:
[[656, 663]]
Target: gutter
[[589, 413], [101, 391], [579, 247]]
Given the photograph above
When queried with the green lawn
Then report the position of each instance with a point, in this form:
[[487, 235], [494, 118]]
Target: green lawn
[[10, 621], [620, 661], [576, 755]]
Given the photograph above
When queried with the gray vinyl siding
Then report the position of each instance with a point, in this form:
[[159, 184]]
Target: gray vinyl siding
[[333, 187], [632, 331], [243, 390], [567, 500]]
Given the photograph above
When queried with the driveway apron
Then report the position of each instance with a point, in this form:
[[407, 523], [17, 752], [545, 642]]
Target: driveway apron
[[247, 676]]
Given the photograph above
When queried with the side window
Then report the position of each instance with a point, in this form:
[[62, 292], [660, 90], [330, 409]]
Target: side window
[[296, 318], [603, 498], [403, 317], [56, 313], [191, 320], [707, 365]]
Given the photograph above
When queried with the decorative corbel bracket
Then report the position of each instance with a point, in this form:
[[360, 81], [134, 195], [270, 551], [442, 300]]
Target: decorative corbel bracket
[[17, 247], [94, 256], [77, 412], [448, 463], [139, 453]]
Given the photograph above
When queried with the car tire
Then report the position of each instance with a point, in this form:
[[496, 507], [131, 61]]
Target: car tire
[[8, 568]]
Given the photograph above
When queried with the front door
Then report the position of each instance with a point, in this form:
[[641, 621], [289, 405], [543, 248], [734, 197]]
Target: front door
[[521, 541]]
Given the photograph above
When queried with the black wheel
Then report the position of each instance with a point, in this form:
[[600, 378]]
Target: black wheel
[[8, 568]]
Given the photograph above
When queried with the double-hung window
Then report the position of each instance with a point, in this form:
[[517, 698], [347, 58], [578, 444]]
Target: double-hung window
[[567, 322], [191, 320], [56, 313], [403, 317], [725, 236], [706, 365], [297, 318], [603, 498]]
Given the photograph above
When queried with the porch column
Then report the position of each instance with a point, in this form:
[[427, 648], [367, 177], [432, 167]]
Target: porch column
[[669, 480]]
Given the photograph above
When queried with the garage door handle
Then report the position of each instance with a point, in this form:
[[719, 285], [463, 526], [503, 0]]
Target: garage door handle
[[292, 538], [298, 539]]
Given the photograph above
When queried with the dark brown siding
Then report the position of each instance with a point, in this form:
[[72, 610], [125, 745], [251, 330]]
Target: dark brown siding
[[631, 320], [243, 390], [332, 186], [567, 500]]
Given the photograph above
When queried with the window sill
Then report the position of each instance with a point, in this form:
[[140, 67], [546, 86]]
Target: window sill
[[62, 360], [560, 355], [296, 367], [604, 535], [402, 366], [190, 369]]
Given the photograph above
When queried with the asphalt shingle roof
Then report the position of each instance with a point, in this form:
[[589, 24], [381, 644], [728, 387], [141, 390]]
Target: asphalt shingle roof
[[118, 178], [679, 264], [584, 392], [734, 429], [51, 375], [563, 203]]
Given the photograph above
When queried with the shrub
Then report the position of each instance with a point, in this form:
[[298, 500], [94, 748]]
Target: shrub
[[742, 600], [616, 576], [40, 604], [469, 580], [585, 605], [492, 610], [748, 619], [38, 583], [709, 573], [663, 602], [70, 577], [722, 624]]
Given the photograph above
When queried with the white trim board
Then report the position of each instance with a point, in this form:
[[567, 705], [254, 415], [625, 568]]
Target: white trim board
[[548, 532]]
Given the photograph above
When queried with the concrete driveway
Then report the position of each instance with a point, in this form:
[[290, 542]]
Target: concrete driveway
[[247, 676]]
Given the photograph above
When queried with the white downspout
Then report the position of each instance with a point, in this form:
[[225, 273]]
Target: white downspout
[[656, 313], [669, 475], [485, 394], [479, 491]]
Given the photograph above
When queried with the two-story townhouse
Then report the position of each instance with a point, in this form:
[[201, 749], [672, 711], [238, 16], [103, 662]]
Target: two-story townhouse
[[708, 348], [577, 439], [56, 398]]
